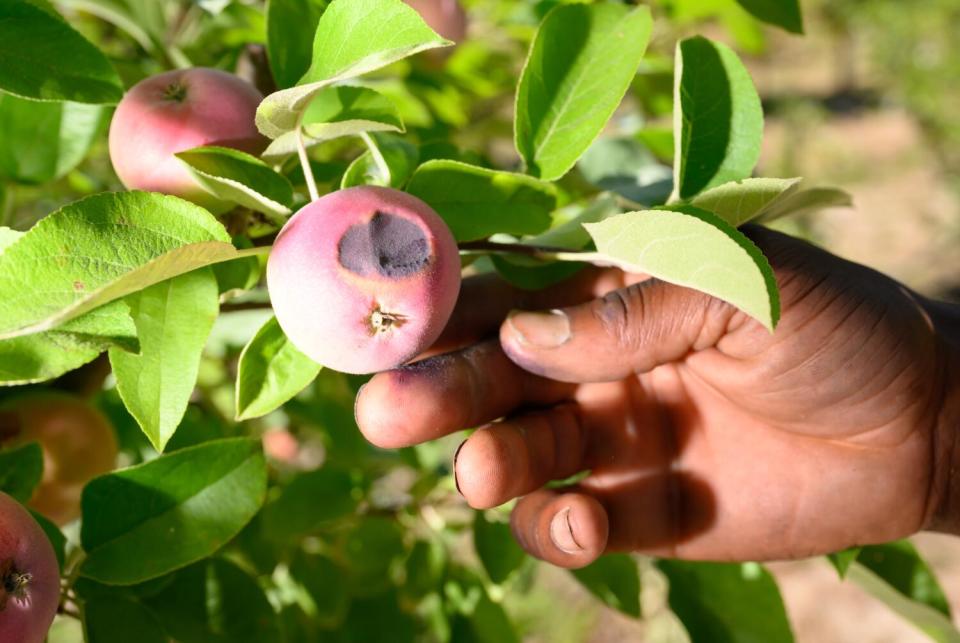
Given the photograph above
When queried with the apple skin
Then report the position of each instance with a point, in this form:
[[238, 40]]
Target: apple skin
[[446, 17], [364, 279], [173, 112], [27, 560], [78, 445]]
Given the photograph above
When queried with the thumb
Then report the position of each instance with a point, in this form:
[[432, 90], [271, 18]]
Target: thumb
[[629, 330]]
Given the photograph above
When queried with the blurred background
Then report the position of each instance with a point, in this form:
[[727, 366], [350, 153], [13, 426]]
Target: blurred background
[[867, 101]]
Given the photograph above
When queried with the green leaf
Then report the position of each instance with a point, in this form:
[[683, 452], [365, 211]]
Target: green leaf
[[804, 201], [900, 565], [727, 602], [151, 519], [718, 120], [44, 356], [57, 540], [782, 13], [615, 580], [215, 601], [326, 583], [625, 166], [45, 59], [340, 111], [310, 501], [100, 249], [271, 371], [496, 547], [425, 568], [841, 560], [20, 469], [694, 248], [237, 177], [741, 201], [370, 551], [290, 28], [353, 37], [580, 65], [173, 321], [119, 619], [399, 156], [476, 202], [931, 621], [40, 142]]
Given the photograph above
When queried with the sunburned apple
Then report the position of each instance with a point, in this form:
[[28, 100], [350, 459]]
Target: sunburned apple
[[176, 111], [29, 576], [446, 17], [364, 279], [78, 444]]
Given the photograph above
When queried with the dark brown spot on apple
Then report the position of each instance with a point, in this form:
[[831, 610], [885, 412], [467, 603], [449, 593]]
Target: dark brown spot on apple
[[388, 245]]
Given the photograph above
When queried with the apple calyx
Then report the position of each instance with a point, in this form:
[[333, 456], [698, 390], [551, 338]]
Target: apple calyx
[[13, 583], [382, 321], [176, 92]]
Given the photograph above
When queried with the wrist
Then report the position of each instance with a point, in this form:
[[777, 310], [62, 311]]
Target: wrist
[[945, 487]]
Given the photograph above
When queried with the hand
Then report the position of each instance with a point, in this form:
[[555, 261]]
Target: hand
[[706, 436]]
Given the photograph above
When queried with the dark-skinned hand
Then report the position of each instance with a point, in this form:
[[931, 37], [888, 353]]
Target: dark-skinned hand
[[706, 436]]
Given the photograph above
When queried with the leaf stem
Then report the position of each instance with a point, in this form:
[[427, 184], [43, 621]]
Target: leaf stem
[[377, 156], [305, 162], [545, 253]]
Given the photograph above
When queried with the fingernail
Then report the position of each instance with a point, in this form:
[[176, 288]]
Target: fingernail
[[540, 329], [561, 533], [456, 454]]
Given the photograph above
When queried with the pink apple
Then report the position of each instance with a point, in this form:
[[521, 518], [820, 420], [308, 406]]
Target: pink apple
[[29, 576], [176, 111], [364, 279], [446, 17]]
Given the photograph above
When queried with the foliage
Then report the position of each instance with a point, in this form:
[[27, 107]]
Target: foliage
[[285, 525]]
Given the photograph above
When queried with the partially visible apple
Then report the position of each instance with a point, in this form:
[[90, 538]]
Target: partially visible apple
[[29, 576], [176, 111], [446, 17], [78, 444]]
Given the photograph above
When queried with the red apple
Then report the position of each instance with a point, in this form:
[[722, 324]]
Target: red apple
[[176, 111], [29, 576], [364, 279]]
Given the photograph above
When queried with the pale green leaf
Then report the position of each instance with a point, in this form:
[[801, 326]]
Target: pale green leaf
[[931, 621], [804, 201], [841, 560], [741, 201], [340, 111], [476, 202], [578, 70], [237, 177], [7, 237], [271, 371], [173, 321], [353, 37], [149, 520], [900, 565], [100, 249], [718, 120], [694, 248], [46, 59]]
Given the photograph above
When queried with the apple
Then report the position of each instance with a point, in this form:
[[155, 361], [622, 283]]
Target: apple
[[446, 17], [78, 444], [29, 576], [364, 279], [176, 111]]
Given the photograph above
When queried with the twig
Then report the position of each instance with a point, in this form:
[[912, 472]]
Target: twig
[[545, 253], [305, 162]]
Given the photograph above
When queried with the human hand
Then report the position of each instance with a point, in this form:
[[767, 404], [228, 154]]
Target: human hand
[[706, 436]]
